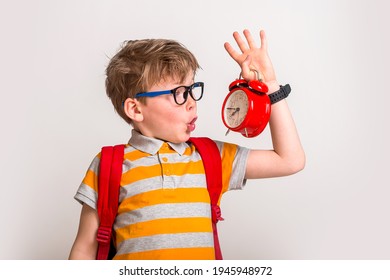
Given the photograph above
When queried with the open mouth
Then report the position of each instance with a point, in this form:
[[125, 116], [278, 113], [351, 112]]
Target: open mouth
[[191, 125]]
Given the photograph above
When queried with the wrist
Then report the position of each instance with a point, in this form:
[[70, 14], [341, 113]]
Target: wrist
[[280, 94], [273, 86]]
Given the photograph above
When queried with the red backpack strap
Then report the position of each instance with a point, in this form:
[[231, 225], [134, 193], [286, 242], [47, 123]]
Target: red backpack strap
[[211, 158], [110, 174]]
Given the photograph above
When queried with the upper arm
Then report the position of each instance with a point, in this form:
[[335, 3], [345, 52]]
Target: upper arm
[[268, 163], [85, 245]]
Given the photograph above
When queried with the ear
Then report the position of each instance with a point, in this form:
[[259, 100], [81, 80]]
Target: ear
[[133, 109]]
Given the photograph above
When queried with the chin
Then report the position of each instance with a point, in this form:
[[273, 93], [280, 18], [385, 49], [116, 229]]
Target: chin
[[175, 136], [181, 139]]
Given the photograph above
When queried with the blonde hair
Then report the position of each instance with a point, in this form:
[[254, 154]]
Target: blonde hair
[[140, 64]]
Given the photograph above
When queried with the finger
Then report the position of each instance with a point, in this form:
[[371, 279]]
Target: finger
[[249, 39], [246, 71], [240, 42], [231, 51], [263, 38]]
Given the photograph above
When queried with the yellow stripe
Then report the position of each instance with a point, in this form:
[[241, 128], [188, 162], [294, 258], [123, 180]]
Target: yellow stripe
[[183, 168], [135, 155], [171, 254], [228, 154], [162, 196], [189, 150], [163, 226], [140, 173], [176, 169], [91, 180]]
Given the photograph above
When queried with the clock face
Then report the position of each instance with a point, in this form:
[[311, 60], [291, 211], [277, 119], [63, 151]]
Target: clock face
[[236, 108]]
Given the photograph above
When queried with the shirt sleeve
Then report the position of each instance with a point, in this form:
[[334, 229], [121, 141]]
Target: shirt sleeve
[[87, 191], [234, 161]]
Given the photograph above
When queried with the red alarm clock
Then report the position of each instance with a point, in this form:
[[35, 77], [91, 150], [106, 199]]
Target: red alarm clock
[[247, 107]]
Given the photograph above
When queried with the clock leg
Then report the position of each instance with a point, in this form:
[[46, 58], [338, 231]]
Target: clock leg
[[246, 133]]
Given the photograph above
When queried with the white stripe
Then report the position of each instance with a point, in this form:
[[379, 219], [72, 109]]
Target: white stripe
[[163, 211], [158, 159], [156, 183], [87, 195], [237, 178], [94, 166], [166, 241]]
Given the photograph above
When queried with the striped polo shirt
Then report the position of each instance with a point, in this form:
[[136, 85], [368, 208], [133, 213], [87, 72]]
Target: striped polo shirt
[[164, 206]]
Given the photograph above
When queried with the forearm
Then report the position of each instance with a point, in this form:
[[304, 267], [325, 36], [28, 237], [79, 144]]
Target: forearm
[[83, 253], [85, 246], [285, 138]]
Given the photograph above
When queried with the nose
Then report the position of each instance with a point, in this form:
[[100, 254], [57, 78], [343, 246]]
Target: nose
[[190, 103]]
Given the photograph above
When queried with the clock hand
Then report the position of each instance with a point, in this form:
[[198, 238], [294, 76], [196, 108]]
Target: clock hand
[[235, 111]]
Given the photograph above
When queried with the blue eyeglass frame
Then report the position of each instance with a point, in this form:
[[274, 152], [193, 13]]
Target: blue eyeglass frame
[[173, 91]]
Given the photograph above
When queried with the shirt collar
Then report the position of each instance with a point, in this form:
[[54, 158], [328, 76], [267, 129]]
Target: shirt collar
[[152, 145]]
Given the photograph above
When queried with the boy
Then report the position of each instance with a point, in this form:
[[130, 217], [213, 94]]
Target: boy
[[164, 210]]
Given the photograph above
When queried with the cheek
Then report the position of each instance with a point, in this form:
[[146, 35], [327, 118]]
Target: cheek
[[171, 117], [163, 113]]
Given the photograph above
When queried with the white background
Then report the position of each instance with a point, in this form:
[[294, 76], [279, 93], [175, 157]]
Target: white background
[[55, 116]]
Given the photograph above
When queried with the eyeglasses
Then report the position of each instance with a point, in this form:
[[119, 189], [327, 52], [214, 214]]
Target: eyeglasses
[[180, 94]]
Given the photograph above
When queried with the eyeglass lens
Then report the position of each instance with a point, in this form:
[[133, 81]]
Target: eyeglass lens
[[181, 93]]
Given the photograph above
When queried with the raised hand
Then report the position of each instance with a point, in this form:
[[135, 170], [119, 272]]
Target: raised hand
[[250, 57]]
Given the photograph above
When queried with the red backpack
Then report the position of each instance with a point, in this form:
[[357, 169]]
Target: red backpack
[[110, 174]]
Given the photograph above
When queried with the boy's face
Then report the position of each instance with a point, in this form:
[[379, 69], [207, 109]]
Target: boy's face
[[163, 118]]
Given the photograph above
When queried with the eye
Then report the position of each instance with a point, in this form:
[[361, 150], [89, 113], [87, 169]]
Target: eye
[[181, 94], [180, 91]]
